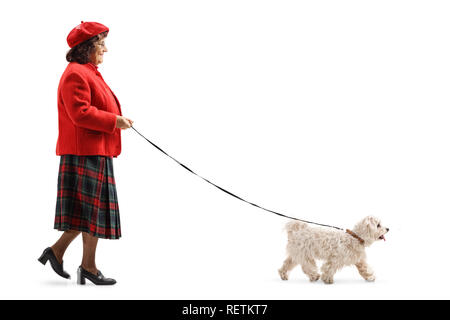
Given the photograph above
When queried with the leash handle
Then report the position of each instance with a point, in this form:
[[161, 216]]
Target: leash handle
[[230, 193]]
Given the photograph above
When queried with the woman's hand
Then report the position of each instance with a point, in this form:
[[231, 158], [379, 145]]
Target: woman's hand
[[123, 123]]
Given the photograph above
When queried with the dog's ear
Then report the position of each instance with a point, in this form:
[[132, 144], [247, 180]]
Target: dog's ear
[[371, 222]]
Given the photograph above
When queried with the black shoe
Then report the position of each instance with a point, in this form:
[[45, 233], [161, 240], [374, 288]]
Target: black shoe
[[98, 279], [56, 266]]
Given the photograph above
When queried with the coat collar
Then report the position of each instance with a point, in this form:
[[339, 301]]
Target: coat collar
[[92, 66]]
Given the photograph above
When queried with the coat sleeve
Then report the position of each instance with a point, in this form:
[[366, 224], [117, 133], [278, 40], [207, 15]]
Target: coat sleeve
[[76, 95]]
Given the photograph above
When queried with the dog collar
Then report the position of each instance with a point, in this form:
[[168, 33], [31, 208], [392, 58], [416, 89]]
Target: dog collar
[[354, 235]]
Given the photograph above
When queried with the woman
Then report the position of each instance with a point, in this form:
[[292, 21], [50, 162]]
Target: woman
[[90, 123]]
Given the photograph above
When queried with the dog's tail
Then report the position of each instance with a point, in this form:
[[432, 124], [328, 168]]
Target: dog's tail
[[293, 226]]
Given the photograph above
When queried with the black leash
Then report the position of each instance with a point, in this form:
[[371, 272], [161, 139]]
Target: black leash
[[231, 194]]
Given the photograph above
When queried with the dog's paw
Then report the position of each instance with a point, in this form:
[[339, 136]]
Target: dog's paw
[[314, 277], [327, 280], [283, 274], [371, 278]]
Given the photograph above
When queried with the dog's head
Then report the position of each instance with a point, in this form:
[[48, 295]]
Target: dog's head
[[370, 230]]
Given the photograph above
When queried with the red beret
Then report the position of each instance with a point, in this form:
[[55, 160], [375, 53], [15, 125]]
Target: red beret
[[84, 31]]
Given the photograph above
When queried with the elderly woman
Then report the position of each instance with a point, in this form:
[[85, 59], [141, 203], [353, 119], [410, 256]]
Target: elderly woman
[[90, 123]]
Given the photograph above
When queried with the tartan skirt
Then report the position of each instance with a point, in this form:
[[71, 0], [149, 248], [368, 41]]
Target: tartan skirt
[[87, 196]]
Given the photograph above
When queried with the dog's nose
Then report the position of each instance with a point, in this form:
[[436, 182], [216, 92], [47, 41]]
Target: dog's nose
[[387, 229]]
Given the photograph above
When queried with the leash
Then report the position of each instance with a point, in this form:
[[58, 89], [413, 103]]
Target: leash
[[232, 194]]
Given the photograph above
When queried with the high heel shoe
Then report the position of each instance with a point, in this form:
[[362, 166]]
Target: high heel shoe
[[98, 279], [56, 266]]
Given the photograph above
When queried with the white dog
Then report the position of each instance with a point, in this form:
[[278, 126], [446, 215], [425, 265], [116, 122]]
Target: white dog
[[336, 248]]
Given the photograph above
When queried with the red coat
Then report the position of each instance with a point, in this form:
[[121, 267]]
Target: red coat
[[87, 110]]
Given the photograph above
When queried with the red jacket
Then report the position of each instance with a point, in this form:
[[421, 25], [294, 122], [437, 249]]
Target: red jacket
[[87, 110]]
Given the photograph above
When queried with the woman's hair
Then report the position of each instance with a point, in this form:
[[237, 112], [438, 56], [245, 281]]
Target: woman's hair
[[81, 52]]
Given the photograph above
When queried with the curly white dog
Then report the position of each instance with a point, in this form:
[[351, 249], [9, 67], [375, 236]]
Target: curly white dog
[[336, 248]]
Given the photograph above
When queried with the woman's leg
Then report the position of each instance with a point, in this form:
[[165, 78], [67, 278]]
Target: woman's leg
[[89, 248], [60, 246]]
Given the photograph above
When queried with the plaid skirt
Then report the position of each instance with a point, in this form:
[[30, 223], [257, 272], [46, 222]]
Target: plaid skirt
[[87, 197]]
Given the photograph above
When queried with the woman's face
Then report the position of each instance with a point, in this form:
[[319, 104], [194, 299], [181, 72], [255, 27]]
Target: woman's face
[[100, 49]]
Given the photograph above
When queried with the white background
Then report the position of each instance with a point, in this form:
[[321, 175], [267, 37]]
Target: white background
[[325, 110]]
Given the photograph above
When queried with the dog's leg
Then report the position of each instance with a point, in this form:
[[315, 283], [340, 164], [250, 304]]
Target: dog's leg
[[328, 270], [365, 271], [288, 265], [310, 269]]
